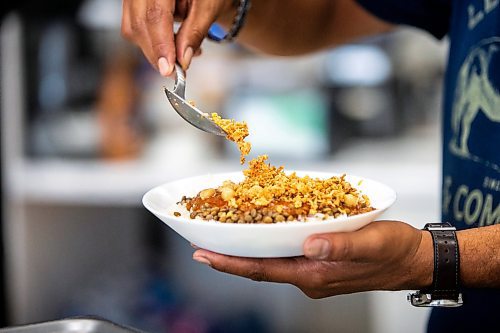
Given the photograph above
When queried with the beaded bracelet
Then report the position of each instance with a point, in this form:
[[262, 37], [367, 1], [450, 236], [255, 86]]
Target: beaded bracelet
[[217, 34]]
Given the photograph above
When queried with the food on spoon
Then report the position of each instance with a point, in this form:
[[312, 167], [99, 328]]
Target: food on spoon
[[269, 195], [235, 131]]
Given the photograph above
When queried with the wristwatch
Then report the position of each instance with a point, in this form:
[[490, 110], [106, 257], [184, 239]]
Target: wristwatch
[[217, 34], [444, 291]]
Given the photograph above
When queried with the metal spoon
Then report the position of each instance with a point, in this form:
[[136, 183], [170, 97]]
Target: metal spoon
[[187, 111]]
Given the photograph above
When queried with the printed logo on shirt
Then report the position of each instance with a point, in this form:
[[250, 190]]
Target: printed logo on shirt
[[472, 206], [475, 93]]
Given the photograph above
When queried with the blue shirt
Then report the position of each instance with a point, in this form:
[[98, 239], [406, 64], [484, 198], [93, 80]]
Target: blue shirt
[[471, 129]]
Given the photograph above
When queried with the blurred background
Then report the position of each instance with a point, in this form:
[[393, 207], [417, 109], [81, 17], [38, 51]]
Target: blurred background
[[86, 130]]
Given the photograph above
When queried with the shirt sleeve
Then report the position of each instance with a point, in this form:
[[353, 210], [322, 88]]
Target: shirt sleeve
[[430, 15]]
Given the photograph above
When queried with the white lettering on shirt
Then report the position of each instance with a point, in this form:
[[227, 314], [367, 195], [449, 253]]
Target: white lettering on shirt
[[491, 184], [471, 206]]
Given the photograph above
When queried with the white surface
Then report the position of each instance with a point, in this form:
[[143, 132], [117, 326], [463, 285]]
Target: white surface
[[257, 240]]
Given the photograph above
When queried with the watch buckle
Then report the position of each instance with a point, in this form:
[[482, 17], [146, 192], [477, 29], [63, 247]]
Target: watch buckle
[[425, 300]]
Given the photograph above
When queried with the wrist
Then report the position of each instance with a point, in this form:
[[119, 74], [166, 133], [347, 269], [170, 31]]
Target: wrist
[[226, 17], [445, 288], [423, 264]]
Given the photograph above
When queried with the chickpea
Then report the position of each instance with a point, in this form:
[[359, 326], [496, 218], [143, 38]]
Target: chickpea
[[205, 194], [227, 193]]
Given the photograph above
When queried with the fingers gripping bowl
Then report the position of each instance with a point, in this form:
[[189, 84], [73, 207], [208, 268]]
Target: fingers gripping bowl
[[283, 239]]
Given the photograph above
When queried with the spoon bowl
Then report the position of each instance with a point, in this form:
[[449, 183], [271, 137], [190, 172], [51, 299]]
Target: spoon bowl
[[186, 110]]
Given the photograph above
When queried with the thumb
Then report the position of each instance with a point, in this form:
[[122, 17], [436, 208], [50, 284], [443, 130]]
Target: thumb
[[345, 246]]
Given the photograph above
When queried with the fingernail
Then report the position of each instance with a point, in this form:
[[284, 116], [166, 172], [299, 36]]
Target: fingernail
[[202, 260], [318, 249], [186, 58], [163, 66]]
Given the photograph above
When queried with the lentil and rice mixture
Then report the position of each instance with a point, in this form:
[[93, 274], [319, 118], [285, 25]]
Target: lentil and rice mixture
[[268, 195]]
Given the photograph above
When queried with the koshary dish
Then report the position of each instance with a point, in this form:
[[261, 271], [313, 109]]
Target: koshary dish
[[269, 195], [261, 240]]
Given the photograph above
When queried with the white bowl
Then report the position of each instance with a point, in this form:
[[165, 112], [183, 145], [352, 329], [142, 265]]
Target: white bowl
[[283, 239]]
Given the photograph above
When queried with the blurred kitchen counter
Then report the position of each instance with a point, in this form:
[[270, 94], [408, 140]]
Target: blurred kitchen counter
[[409, 164]]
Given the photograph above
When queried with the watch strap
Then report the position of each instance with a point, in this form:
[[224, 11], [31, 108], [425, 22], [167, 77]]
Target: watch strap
[[445, 284], [217, 34]]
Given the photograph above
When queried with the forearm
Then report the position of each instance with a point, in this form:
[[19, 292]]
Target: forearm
[[480, 257], [296, 27], [479, 250]]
